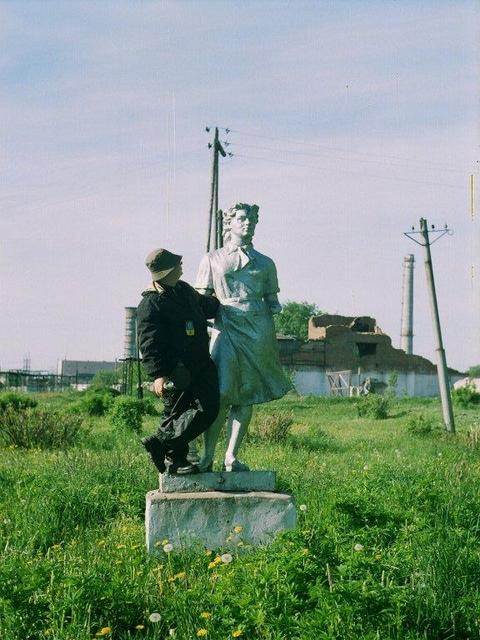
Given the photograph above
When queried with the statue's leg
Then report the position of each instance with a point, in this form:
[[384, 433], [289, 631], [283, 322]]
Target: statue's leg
[[238, 421], [210, 438]]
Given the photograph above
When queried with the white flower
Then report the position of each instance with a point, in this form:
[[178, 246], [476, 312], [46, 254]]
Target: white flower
[[365, 468], [168, 547], [227, 558], [154, 617], [172, 633], [358, 547], [303, 507]]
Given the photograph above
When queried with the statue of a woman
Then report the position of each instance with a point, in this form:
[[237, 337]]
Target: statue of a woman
[[243, 345]]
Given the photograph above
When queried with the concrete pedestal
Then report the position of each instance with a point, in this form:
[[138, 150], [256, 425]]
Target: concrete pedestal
[[187, 512]]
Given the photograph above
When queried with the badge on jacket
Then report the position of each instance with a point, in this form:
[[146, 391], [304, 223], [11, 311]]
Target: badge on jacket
[[189, 328]]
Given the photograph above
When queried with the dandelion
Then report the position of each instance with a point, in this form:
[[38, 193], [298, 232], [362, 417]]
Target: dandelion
[[237, 633], [104, 631], [212, 565], [201, 633], [101, 543], [172, 632], [208, 552], [303, 507], [365, 468], [358, 547], [238, 529], [168, 547], [205, 615], [240, 544], [120, 546], [134, 546], [157, 544], [154, 617], [139, 627], [178, 576], [165, 541], [226, 558], [305, 552]]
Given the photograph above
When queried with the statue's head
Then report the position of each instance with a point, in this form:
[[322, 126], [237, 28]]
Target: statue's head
[[239, 222]]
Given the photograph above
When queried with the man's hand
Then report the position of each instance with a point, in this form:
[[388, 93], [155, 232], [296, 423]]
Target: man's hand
[[158, 386]]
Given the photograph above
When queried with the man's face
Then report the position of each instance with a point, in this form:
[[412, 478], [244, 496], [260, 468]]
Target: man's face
[[174, 276], [243, 225]]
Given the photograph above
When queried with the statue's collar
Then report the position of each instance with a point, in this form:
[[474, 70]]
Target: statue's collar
[[232, 248]]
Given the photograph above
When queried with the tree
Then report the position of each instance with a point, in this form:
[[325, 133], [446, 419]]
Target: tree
[[293, 319]]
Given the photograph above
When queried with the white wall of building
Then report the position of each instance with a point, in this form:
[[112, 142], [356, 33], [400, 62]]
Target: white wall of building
[[312, 380]]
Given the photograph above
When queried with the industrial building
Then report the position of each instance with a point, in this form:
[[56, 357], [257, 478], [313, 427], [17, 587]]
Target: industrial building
[[82, 372], [343, 352]]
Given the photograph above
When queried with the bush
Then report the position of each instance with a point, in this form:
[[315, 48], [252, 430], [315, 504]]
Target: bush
[[127, 413], [466, 396], [149, 406], [373, 406], [421, 425], [272, 427], [96, 403], [39, 427], [16, 401]]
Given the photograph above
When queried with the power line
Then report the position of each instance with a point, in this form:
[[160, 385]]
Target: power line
[[354, 173], [338, 150]]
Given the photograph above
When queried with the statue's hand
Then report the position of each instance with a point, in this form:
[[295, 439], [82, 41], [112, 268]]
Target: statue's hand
[[273, 303], [158, 386]]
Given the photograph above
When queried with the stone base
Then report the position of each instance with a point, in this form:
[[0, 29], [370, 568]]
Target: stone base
[[208, 518], [224, 481]]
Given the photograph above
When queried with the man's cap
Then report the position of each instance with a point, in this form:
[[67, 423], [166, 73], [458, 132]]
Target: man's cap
[[161, 262]]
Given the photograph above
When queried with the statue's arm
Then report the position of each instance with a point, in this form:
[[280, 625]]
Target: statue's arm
[[271, 288]]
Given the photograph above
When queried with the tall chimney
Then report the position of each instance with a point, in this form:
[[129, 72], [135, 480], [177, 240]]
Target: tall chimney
[[406, 333], [130, 336]]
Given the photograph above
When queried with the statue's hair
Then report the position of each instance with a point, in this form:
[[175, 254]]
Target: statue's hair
[[229, 214]]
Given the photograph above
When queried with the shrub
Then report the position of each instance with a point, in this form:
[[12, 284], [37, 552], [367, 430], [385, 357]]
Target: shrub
[[466, 396], [96, 403], [39, 427], [149, 406], [421, 425], [16, 401], [127, 413], [373, 406], [272, 427]]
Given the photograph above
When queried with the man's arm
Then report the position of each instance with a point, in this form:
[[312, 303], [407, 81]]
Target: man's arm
[[153, 340]]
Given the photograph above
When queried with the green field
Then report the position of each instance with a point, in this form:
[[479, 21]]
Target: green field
[[388, 546]]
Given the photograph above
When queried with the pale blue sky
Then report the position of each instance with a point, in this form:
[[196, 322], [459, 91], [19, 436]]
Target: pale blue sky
[[369, 117]]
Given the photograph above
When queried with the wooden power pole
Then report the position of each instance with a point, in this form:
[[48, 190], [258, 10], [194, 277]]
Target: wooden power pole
[[215, 227], [442, 371]]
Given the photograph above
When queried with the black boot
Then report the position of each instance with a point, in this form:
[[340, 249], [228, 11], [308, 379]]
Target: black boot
[[157, 450]]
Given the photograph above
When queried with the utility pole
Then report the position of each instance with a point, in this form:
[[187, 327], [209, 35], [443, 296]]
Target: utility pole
[[215, 227], [443, 380]]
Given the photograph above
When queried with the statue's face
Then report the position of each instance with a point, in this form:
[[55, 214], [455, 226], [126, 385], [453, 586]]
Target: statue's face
[[242, 226]]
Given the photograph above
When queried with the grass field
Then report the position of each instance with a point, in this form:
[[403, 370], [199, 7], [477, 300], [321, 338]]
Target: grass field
[[387, 547]]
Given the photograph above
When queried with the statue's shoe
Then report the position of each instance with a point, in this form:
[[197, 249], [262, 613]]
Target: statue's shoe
[[236, 465]]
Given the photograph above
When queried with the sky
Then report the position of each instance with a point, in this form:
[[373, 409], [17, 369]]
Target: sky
[[348, 122]]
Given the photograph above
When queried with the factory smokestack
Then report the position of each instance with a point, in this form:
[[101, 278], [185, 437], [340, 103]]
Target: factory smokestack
[[406, 333], [130, 338]]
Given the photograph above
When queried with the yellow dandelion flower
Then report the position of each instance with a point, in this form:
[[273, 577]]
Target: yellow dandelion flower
[[201, 633], [101, 543], [134, 546], [140, 627], [212, 565], [120, 546], [305, 552], [208, 552], [237, 633], [164, 541], [238, 528], [158, 544], [240, 544], [181, 575], [218, 560], [104, 631], [205, 615]]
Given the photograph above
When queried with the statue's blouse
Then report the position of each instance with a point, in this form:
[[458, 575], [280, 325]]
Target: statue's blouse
[[244, 345]]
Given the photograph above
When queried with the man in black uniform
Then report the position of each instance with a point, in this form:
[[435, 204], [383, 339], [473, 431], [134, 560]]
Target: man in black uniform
[[173, 339]]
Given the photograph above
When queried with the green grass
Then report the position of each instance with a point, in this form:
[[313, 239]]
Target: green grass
[[388, 547]]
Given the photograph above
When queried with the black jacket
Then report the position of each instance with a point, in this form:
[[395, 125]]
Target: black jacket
[[172, 328]]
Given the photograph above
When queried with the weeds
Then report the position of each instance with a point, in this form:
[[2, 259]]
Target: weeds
[[420, 424], [127, 413], [39, 427], [373, 406], [272, 427]]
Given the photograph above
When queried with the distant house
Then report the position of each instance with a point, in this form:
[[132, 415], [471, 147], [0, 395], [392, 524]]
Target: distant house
[[83, 370], [343, 353]]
